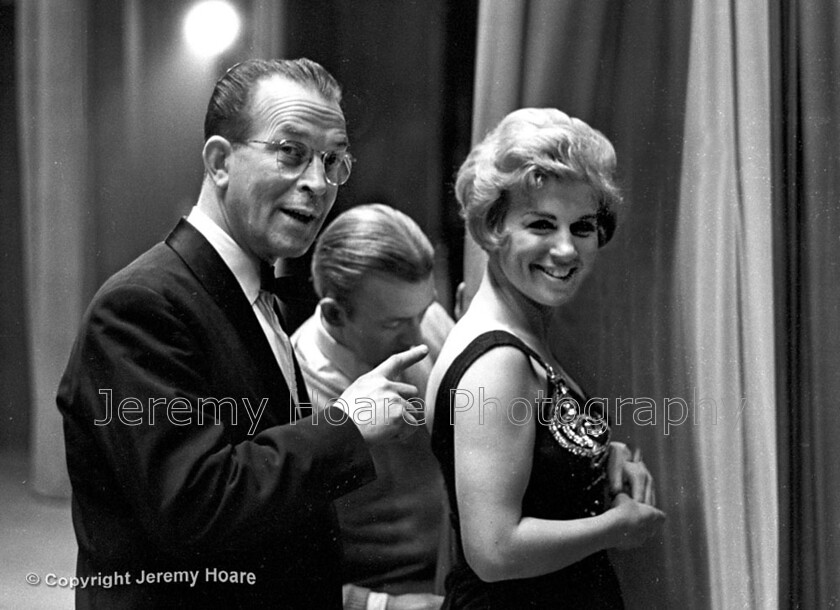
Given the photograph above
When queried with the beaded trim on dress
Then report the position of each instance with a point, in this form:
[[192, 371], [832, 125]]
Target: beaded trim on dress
[[572, 426]]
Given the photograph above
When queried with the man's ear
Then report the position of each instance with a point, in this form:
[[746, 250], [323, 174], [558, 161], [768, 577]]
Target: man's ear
[[216, 156], [333, 312]]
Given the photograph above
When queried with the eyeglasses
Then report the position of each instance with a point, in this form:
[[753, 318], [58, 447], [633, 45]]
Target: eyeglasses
[[294, 157]]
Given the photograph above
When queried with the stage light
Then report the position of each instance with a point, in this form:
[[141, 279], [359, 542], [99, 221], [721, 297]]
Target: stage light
[[211, 27]]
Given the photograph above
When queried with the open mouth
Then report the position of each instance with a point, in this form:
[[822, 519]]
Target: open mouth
[[300, 216], [558, 274]]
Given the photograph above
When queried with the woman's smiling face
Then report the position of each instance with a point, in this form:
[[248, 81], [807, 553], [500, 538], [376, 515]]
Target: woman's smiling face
[[552, 240]]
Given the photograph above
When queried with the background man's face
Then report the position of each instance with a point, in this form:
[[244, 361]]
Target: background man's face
[[267, 214], [386, 316]]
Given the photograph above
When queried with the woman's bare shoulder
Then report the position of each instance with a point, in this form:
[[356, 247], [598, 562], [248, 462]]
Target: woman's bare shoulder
[[502, 369]]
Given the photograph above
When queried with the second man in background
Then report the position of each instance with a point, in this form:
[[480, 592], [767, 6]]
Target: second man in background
[[372, 270]]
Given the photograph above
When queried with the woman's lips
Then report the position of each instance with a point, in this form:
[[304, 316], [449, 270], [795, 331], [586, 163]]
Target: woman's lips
[[557, 274]]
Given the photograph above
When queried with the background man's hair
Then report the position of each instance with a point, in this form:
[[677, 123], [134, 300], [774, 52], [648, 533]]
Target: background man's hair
[[372, 238]]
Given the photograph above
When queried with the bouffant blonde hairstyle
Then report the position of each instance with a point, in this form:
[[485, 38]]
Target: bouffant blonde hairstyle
[[525, 149]]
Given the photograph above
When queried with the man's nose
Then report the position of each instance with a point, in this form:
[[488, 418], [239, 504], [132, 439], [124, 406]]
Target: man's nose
[[412, 335], [314, 176]]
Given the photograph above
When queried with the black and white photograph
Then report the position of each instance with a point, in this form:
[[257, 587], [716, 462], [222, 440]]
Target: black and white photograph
[[420, 304]]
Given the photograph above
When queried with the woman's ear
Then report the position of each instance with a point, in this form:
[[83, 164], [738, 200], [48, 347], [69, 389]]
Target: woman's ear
[[332, 312], [216, 155]]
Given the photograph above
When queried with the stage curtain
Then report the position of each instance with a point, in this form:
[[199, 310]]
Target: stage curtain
[[807, 123], [53, 109], [724, 271]]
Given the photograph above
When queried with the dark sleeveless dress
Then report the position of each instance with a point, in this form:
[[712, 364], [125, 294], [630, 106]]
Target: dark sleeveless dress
[[568, 481]]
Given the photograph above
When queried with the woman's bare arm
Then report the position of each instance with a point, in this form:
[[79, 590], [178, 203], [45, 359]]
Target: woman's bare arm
[[493, 459]]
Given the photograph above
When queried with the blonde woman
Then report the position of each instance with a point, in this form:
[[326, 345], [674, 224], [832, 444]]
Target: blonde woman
[[537, 491]]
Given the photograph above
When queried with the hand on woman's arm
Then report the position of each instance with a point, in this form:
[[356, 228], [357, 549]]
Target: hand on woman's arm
[[493, 460]]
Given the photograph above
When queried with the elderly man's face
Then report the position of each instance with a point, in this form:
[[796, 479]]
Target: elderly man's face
[[269, 215], [386, 316]]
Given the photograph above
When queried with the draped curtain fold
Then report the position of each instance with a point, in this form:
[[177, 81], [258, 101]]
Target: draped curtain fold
[[681, 305], [808, 257], [53, 110], [724, 271]]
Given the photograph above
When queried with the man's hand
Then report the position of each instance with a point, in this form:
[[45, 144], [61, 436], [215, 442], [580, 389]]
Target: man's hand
[[414, 601], [378, 405], [628, 474]]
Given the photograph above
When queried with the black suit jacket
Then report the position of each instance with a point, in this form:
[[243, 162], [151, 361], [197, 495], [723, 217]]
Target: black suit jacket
[[168, 482]]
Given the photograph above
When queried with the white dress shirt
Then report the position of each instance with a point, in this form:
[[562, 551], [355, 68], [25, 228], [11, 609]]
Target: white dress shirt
[[246, 270]]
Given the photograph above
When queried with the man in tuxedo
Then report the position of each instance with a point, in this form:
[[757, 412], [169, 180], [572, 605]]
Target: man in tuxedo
[[201, 475], [372, 268]]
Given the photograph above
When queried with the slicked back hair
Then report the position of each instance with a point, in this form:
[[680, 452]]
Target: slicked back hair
[[371, 238], [228, 110]]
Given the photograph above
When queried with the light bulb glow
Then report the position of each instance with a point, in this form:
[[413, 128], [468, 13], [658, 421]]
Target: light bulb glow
[[211, 27]]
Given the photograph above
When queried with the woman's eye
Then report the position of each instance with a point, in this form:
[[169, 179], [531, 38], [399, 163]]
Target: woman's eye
[[583, 228], [541, 225]]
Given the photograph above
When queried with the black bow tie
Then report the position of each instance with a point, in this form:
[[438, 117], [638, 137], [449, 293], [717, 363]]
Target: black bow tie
[[286, 287], [267, 279]]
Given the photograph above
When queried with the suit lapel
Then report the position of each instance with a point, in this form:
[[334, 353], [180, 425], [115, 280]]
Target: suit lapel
[[220, 283]]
